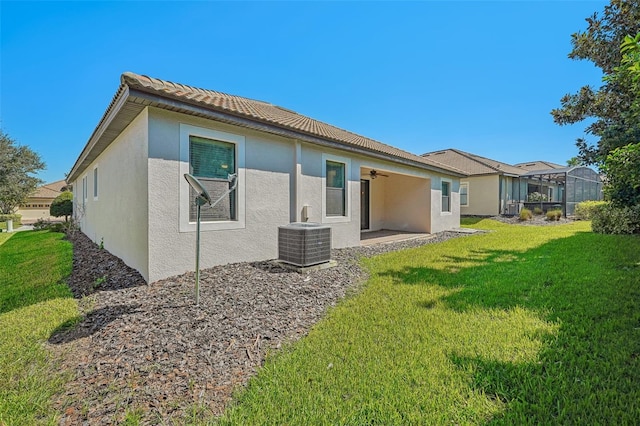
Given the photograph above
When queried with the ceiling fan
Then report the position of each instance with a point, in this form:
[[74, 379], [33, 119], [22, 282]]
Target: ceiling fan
[[374, 174]]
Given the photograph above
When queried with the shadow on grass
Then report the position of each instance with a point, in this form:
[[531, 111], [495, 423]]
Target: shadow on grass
[[471, 220], [36, 266], [590, 286], [93, 322]]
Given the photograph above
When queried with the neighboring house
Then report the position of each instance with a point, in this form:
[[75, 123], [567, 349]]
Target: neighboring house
[[37, 205], [130, 193], [538, 165], [491, 188], [494, 188]]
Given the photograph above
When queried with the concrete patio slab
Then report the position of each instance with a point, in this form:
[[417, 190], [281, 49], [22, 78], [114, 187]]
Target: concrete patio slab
[[387, 236]]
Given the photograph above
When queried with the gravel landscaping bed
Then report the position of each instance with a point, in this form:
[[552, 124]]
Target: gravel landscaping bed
[[147, 352], [537, 220]]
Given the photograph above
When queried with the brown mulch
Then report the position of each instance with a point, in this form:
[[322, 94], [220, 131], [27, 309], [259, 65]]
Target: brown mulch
[[148, 350]]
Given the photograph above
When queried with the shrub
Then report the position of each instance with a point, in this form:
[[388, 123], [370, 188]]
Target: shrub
[[42, 224], [610, 219], [525, 214], [586, 209], [537, 211], [554, 214], [62, 205], [622, 168], [59, 227], [536, 196]]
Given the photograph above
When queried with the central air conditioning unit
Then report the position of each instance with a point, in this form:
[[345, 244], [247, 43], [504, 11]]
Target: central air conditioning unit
[[304, 244]]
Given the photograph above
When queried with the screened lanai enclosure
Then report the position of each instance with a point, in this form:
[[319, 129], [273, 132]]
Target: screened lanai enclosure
[[573, 185]]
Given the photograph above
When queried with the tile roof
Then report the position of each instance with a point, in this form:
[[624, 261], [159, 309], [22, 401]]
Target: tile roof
[[274, 115], [49, 190], [539, 165], [473, 164]]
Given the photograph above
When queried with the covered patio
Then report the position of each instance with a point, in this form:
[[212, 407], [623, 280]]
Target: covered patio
[[394, 202]]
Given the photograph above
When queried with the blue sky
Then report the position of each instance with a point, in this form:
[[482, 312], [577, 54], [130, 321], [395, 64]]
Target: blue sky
[[422, 76]]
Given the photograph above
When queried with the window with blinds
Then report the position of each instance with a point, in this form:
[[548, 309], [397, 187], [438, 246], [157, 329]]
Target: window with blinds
[[336, 201], [464, 194], [211, 162], [446, 196]]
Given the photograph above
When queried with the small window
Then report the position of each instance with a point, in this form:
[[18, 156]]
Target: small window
[[336, 194], [464, 194], [84, 191], [95, 183], [212, 162], [446, 196]]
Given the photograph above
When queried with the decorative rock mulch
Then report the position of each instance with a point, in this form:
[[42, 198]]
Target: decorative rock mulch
[[148, 350], [537, 220]]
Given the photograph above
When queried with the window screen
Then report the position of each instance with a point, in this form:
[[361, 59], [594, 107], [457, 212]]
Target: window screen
[[335, 196], [464, 194], [211, 159], [211, 162], [446, 197]]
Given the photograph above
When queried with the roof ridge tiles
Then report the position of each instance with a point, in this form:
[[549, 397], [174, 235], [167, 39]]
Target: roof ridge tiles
[[273, 114], [132, 79]]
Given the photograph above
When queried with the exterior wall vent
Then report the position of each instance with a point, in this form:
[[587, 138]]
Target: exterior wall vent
[[304, 244]]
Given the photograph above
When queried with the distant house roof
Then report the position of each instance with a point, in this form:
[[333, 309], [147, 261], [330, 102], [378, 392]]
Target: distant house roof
[[472, 164], [137, 92], [50, 190], [539, 165]]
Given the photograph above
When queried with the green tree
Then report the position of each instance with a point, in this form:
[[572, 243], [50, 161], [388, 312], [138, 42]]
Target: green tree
[[608, 105], [622, 168], [622, 165], [574, 161], [62, 205], [17, 164]]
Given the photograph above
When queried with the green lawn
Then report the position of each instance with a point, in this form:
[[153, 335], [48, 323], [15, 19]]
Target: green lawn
[[34, 302], [4, 236], [521, 325]]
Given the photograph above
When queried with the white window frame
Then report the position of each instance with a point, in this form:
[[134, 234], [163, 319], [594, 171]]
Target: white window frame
[[450, 182], [466, 185], [347, 188], [95, 183], [187, 130]]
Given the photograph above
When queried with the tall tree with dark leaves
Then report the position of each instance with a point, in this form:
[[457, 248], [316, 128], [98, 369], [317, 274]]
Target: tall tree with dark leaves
[[622, 165], [608, 105], [17, 166]]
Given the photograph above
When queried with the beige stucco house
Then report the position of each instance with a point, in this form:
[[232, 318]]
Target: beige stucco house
[[38, 204], [493, 187], [130, 193]]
